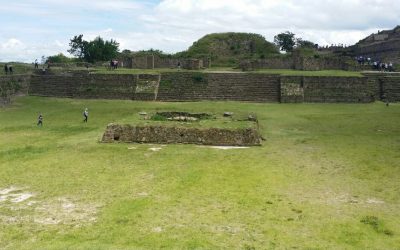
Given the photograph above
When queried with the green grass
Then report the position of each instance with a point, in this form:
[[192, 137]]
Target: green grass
[[327, 177], [18, 68]]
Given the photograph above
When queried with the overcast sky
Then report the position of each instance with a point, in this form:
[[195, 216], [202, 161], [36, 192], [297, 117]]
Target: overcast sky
[[30, 29]]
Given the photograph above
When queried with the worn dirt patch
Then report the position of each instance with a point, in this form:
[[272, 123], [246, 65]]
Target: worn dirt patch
[[155, 149], [65, 211], [224, 147], [14, 195], [19, 207]]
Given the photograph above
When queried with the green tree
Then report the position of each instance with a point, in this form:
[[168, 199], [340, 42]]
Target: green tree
[[78, 46], [300, 43], [286, 41], [59, 58], [96, 50]]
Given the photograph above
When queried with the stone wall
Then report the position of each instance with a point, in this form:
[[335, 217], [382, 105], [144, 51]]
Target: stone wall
[[195, 86], [391, 88], [292, 90], [298, 63], [107, 86], [166, 134], [13, 85], [388, 85], [152, 62], [142, 62], [328, 89], [338, 89], [271, 63], [219, 86], [315, 64]]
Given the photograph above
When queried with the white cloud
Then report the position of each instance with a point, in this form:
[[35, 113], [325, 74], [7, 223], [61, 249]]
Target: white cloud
[[16, 50]]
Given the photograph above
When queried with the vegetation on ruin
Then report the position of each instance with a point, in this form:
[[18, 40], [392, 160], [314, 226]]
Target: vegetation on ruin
[[325, 178], [227, 49]]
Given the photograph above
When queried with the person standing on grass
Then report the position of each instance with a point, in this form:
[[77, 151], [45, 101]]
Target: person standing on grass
[[10, 69], [40, 120], [6, 69], [85, 115]]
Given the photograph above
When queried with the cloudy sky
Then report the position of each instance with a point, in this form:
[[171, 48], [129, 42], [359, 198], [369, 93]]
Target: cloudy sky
[[30, 29]]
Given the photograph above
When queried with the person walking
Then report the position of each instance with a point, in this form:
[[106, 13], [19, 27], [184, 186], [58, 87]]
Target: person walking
[[85, 115], [40, 120]]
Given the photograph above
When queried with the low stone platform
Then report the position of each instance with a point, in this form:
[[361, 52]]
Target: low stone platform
[[184, 135]]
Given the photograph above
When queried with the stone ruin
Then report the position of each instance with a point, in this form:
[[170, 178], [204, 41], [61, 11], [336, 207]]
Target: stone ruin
[[167, 134]]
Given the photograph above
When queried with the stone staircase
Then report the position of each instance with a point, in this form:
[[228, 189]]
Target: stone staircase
[[219, 86], [146, 87], [391, 88]]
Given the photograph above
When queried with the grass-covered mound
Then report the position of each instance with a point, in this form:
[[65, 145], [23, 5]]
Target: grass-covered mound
[[327, 177], [229, 48]]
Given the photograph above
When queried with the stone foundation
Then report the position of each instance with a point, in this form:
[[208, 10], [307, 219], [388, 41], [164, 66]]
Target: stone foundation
[[168, 135]]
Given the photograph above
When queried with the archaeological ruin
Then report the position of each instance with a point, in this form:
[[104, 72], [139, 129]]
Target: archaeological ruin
[[181, 127]]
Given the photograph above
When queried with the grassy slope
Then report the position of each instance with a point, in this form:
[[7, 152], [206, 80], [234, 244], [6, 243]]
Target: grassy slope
[[308, 186], [18, 68]]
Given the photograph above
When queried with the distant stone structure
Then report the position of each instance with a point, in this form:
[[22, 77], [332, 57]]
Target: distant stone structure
[[299, 63], [384, 46], [154, 62]]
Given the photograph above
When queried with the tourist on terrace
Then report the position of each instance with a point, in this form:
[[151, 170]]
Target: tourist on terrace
[[6, 69], [391, 69], [10, 69]]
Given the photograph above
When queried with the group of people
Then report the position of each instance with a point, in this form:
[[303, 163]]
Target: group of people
[[85, 117], [8, 69], [114, 64], [375, 64]]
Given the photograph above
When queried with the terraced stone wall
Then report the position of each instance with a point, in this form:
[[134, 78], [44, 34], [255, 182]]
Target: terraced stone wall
[[219, 86], [11, 86], [115, 86], [328, 89]]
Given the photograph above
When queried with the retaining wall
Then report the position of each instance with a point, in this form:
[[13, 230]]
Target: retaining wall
[[164, 134], [116, 86], [219, 86], [328, 89], [196, 86], [11, 86]]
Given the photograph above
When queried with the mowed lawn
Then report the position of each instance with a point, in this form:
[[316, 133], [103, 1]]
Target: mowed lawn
[[327, 177]]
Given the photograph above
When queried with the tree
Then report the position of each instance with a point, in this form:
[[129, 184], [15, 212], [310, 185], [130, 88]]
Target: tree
[[59, 58], [78, 46], [96, 50], [286, 41], [300, 43]]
